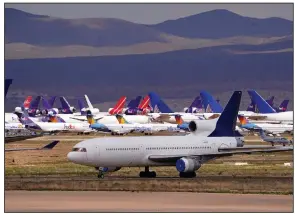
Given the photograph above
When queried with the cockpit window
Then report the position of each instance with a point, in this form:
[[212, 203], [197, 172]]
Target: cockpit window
[[78, 150]]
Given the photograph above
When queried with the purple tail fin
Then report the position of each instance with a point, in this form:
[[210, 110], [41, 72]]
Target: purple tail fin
[[45, 104], [64, 103], [51, 101], [283, 107], [35, 103], [270, 101]]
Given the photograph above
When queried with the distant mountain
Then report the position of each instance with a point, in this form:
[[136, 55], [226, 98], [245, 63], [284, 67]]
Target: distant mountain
[[223, 23], [21, 27], [175, 74]]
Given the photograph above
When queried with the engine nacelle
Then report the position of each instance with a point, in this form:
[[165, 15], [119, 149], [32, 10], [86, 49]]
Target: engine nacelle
[[185, 109], [56, 111], [38, 111], [194, 110], [110, 169], [44, 112], [73, 109], [187, 165], [18, 109], [192, 126], [110, 109], [202, 126]]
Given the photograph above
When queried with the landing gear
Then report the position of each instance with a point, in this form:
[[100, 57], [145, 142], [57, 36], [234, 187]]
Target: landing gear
[[100, 173], [147, 174], [187, 174]]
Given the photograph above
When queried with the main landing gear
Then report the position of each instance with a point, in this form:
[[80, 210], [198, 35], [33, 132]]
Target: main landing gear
[[100, 173], [147, 174], [187, 174]]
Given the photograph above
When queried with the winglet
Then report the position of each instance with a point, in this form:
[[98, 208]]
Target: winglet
[[226, 123], [50, 145]]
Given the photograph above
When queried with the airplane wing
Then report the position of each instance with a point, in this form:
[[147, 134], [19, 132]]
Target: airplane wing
[[222, 152], [46, 147]]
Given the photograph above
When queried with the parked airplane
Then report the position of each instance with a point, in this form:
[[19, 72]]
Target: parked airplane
[[268, 127], [53, 127], [132, 107], [46, 147], [273, 140], [187, 153], [283, 107], [65, 106], [266, 112], [48, 106]]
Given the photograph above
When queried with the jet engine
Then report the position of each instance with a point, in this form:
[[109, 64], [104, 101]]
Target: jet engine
[[55, 110], [185, 109], [73, 109], [44, 112], [18, 109], [202, 126], [110, 169], [187, 165]]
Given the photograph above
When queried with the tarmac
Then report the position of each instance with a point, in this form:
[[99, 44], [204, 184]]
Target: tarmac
[[92, 201]]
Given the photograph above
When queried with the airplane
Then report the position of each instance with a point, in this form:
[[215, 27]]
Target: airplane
[[46, 147], [161, 111], [148, 128], [266, 112], [187, 152], [8, 82], [48, 106], [273, 140], [53, 127], [93, 110], [268, 127]]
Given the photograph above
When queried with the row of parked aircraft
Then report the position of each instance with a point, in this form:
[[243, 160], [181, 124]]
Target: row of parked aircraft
[[150, 115], [208, 140]]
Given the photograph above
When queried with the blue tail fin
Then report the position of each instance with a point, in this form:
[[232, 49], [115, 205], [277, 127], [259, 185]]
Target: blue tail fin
[[195, 102], [137, 101], [226, 123], [209, 100], [262, 105], [8, 82], [156, 102]]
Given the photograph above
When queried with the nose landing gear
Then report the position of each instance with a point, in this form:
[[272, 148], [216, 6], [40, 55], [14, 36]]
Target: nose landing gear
[[100, 172]]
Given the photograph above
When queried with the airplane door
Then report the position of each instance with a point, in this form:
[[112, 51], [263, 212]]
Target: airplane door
[[141, 149]]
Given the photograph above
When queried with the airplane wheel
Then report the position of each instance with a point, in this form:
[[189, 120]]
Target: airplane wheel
[[153, 174], [100, 175]]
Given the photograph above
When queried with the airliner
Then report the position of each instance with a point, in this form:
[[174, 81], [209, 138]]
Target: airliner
[[268, 127], [53, 127], [267, 113], [187, 153]]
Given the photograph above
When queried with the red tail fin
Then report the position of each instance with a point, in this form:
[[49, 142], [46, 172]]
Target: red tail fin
[[144, 103], [120, 104], [27, 101]]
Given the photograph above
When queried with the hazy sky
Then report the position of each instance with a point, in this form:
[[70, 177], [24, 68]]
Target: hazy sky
[[152, 13]]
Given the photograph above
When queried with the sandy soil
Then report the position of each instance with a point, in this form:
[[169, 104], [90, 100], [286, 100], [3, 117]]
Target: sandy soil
[[45, 201]]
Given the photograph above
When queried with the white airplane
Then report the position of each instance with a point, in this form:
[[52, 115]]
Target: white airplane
[[187, 153], [268, 127], [53, 127]]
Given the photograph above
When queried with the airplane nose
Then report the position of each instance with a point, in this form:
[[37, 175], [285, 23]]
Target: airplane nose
[[76, 157]]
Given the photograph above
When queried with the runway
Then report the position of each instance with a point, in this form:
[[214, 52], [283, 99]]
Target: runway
[[45, 201]]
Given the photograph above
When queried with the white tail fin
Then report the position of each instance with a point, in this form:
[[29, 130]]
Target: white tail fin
[[88, 102]]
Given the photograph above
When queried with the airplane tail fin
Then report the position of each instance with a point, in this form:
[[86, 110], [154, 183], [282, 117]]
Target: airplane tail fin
[[226, 123], [179, 119], [35, 103], [50, 145], [27, 102], [90, 118], [64, 104], [51, 101], [270, 101], [208, 100], [144, 103], [121, 119], [251, 107], [242, 120], [8, 82], [195, 102], [121, 102], [158, 104], [134, 103], [283, 106], [262, 105], [45, 103], [90, 106], [24, 117]]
